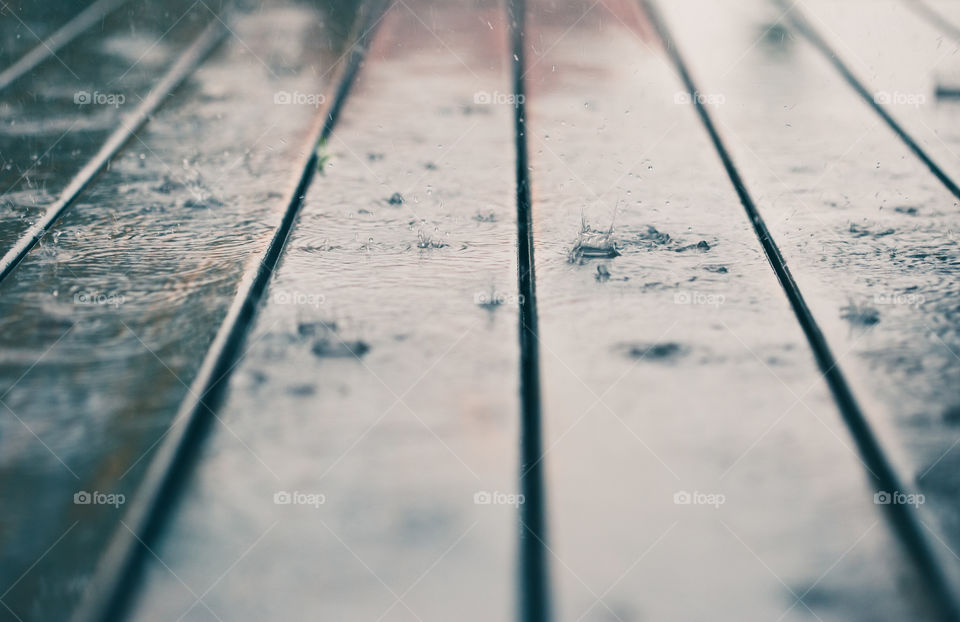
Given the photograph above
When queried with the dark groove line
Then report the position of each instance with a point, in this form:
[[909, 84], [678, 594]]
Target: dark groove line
[[184, 66], [65, 34], [902, 518], [110, 593], [801, 25], [534, 574], [934, 18]]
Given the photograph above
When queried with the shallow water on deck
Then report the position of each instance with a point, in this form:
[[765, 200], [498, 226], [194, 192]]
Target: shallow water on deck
[[365, 459], [55, 118], [117, 305]]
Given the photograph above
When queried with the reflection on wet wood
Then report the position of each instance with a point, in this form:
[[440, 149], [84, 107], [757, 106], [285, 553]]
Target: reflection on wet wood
[[687, 393]]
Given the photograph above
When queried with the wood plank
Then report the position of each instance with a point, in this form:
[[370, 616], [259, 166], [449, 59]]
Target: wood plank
[[867, 230], [903, 60], [684, 372], [400, 441], [54, 119], [23, 25], [104, 325]]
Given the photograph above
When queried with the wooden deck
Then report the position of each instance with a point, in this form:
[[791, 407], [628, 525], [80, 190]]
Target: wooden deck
[[620, 310]]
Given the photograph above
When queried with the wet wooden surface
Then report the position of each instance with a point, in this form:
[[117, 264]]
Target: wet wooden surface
[[869, 233], [105, 323], [388, 369], [651, 364], [364, 463]]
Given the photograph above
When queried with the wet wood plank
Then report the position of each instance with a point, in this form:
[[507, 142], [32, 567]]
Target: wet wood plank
[[682, 376], [379, 375], [867, 229], [904, 60], [103, 326], [55, 118], [24, 25]]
